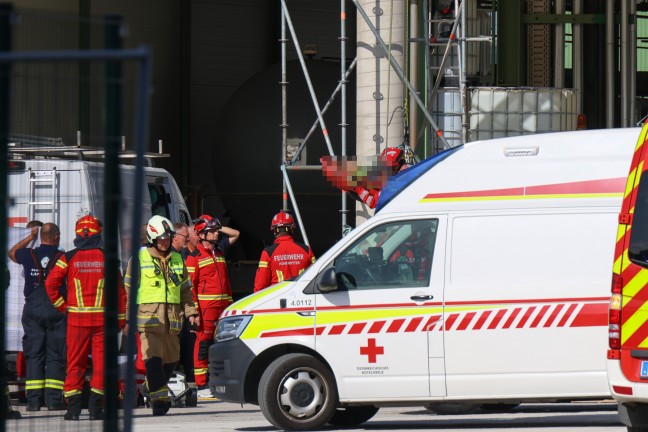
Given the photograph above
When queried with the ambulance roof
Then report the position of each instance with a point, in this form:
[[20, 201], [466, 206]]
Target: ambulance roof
[[523, 171]]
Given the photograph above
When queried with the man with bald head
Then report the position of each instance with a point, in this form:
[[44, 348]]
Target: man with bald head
[[45, 329]]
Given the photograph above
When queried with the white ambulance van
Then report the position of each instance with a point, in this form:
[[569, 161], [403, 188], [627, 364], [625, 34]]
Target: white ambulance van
[[627, 356], [50, 185], [483, 278]]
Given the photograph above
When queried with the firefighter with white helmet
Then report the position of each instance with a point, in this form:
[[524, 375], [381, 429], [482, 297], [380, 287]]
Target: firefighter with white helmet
[[285, 258], [212, 290], [164, 298]]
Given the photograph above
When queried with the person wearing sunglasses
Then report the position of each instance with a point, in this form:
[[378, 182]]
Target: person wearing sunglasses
[[212, 290]]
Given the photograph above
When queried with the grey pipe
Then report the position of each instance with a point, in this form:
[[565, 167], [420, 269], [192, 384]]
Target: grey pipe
[[632, 63], [625, 118], [559, 48], [463, 82], [610, 64], [577, 55], [284, 105], [344, 74]]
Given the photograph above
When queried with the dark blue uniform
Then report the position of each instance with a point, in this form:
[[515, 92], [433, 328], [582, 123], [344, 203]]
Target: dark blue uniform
[[187, 342], [45, 331]]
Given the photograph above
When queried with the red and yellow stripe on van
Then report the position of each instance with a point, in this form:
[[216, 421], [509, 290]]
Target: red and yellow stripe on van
[[384, 319], [633, 278], [602, 188]]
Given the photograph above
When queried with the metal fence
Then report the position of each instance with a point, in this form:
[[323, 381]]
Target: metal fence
[[66, 76]]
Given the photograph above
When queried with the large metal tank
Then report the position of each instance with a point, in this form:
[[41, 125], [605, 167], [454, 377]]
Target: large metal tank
[[247, 161]]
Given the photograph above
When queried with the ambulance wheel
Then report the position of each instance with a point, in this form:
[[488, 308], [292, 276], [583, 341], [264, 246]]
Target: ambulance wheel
[[297, 392], [452, 408], [353, 415]]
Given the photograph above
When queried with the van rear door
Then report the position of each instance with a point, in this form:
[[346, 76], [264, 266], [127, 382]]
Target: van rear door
[[631, 268], [381, 330]]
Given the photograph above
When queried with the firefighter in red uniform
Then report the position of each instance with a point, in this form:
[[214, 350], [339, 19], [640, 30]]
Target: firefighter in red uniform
[[286, 258], [84, 269], [211, 285], [395, 158]]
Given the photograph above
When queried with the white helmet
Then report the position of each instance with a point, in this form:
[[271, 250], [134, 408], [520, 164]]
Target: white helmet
[[159, 227]]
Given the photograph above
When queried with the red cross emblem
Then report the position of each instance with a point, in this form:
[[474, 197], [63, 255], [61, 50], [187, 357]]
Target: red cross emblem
[[371, 350]]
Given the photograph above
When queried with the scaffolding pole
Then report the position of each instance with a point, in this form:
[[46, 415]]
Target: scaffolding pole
[[284, 106], [343, 120]]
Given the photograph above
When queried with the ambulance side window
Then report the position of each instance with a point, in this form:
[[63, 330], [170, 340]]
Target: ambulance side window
[[638, 248], [393, 255]]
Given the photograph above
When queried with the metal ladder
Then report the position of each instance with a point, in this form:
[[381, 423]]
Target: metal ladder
[[37, 179]]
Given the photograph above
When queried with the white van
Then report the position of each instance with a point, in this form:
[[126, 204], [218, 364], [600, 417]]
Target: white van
[[483, 278], [62, 190]]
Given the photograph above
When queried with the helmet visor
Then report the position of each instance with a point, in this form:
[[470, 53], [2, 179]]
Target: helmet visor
[[165, 235], [213, 225]]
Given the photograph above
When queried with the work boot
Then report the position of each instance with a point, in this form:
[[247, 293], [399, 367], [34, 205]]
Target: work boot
[[34, 400], [95, 406], [55, 401], [59, 406], [10, 413], [160, 407], [73, 408], [13, 415], [33, 407]]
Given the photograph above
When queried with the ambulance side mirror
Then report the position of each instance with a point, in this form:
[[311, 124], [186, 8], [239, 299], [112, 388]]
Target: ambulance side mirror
[[327, 281]]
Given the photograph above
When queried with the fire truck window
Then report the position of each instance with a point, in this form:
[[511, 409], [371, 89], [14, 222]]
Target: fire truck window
[[393, 255], [638, 249]]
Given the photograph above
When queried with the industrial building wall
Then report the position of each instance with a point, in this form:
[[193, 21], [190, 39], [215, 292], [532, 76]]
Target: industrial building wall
[[233, 40], [55, 25], [229, 42]]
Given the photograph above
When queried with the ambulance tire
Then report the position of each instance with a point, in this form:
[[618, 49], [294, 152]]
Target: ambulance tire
[[297, 392], [452, 408], [353, 415]]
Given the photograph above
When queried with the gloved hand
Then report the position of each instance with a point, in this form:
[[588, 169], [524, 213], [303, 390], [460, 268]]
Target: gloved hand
[[203, 349]]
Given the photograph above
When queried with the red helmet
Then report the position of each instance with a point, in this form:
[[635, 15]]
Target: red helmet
[[206, 223], [395, 157], [88, 226], [282, 219]]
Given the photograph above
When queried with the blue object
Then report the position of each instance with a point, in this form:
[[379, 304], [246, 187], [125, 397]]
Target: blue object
[[404, 178]]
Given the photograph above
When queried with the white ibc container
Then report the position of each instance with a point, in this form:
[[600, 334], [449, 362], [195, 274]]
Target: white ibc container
[[500, 112]]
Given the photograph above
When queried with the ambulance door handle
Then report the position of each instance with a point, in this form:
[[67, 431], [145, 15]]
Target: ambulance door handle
[[422, 297]]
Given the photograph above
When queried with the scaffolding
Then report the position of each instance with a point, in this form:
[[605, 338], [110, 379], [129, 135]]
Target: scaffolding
[[454, 41], [458, 97]]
